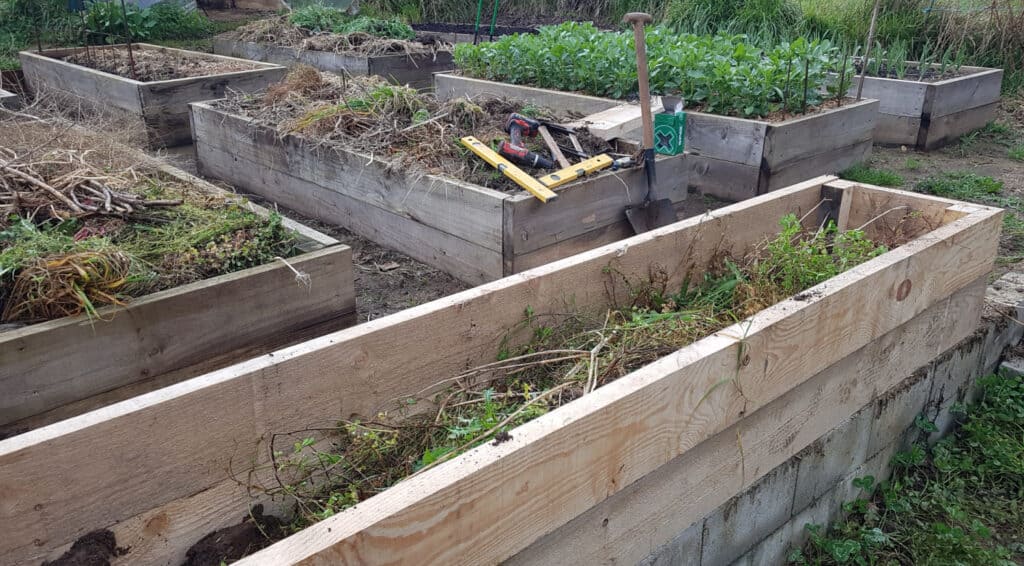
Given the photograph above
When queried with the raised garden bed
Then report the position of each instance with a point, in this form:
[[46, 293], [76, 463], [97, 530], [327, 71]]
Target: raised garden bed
[[935, 111], [727, 157], [473, 232], [402, 61], [211, 440], [9, 99], [160, 104], [179, 304]]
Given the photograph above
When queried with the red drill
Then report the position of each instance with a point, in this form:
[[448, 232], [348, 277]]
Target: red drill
[[518, 126]]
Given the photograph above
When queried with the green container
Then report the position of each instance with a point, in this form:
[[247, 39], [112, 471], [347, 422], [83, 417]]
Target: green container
[[669, 132]]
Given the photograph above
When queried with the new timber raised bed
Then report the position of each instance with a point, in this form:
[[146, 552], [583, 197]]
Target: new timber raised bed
[[66, 366], [472, 232], [161, 106], [202, 437], [931, 113], [729, 158], [413, 69]]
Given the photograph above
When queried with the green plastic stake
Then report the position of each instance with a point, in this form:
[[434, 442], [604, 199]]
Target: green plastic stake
[[476, 29], [494, 19]]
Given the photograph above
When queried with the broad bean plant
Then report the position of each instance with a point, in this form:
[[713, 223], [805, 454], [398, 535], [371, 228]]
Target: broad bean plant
[[720, 74]]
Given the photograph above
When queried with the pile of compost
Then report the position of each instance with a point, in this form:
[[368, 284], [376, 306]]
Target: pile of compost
[[84, 224], [411, 131], [154, 64], [282, 32]]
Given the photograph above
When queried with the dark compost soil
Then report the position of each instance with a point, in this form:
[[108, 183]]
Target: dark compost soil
[[93, 549]]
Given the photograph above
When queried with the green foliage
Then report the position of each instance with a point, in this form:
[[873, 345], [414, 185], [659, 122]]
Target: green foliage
[[1016, 152], [961, 185], [721, 74], [319, 18], [108, 22], [912, 164], [956, 503], [171, 21], [862, 173], [794, 264]]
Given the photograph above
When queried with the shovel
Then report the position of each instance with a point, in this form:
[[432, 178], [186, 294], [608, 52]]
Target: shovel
[[650, 214]]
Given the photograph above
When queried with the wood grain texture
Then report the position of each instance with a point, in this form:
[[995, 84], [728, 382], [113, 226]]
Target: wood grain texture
[[818, 134], [951, 96], [895, 97], [414, 70], [619, 121], [726, 138], [44, 73], [722, 179], [897, 130], [948, 129], [829, 162], [628, 526], [496, 500]]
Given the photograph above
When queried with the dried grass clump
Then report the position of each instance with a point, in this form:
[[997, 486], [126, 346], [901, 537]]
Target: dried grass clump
[[415, 132], [280, 31], [154, 64], [68, 285]]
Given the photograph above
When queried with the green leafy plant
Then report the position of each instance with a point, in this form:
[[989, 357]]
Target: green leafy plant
[[108, 22], [171, 21], [318, 18], [1016, 152], [862, 173], [721, 74]]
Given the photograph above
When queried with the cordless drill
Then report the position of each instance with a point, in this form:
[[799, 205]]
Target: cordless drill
[[517, 127]]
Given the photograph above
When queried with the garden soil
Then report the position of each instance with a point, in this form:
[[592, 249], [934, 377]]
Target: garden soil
[[154, 64]]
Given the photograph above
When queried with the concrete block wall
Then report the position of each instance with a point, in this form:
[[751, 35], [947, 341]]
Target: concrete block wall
[[761, 525]]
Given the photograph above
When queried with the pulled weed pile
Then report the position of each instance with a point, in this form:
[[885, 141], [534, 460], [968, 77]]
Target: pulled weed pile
[[412, 131], [361, 36], [82, 227], [547, 361], [153, 64]]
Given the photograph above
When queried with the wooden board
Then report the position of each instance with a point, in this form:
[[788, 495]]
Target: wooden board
[[564, 462], [44, 73], [620, 121], [818, 134], [628, 526], [897, 130], [9, 100], [948, 129], [964, 93], [725, 138], [448, 85], [829, 162], [49, 365], [723, 179]]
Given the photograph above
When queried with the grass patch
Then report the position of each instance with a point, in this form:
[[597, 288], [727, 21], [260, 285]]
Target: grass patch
[[862, 173], [955, 503], [912, 164], [1016, 152]]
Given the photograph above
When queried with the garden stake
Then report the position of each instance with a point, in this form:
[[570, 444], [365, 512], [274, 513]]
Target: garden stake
[[867, 49], [494, 19], [650, 214], [476, 29], [807, 64], [128, 41], [789, 74], [841, 91]]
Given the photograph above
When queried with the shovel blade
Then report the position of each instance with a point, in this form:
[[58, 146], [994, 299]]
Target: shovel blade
[[651, 215]]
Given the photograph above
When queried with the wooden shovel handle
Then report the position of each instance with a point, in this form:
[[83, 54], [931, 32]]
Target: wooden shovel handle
[[638, 19]]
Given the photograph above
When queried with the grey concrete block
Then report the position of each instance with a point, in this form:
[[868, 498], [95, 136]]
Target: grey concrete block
[[897, 408], [832, 457], [735, 527], [684, 550], [955, 373]]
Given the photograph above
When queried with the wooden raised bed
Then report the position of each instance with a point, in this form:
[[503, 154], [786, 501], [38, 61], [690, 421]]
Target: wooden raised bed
[[729, 158], [8, 99], [60, 368], [169, 467], [928, 115], [415, 70], [464, 33], [161, 106], [474, 233]]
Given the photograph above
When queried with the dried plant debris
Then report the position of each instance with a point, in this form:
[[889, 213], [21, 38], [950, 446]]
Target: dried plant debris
[[280, 31], [411, 131], [84, 224], [154, 64], [546, 361]]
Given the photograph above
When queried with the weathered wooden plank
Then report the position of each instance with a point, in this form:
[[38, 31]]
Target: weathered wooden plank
[[619, 121], [726, 138], [447, 86], [466, 260], [630, 525], [583, 207], [459, 209], [897, 130], [828, 162], [175, 95], [414, 70], [577, 456], [722, 179], [95, 471], [9, 100], [144, 338], [963, 93], [800, 138], [947, 129], [44, 73], [895, 97], [289, 56]]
